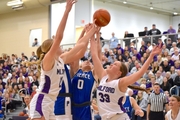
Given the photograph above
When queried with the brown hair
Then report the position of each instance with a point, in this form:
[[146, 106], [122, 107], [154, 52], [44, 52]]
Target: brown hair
[[135, 87], [123, 69], [177, 97], [41, 51]]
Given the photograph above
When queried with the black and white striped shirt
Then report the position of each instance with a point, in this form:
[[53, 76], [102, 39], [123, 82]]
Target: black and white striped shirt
[[157, 102]]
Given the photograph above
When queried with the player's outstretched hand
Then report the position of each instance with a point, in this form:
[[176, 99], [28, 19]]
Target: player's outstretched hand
[[157, 49], [69, 4]]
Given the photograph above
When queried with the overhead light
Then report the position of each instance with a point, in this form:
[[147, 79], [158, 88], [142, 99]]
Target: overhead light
[[151, 8], [124, 2], [175, 13], [17, 7], [14, 3]]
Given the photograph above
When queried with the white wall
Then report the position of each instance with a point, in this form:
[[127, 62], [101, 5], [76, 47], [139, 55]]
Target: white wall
[[83, 12], [132, 20], [57, 11], [122, 19], [15, 30], [176, 21]]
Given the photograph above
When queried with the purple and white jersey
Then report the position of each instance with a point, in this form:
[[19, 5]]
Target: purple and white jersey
[[51, 81], [109, 98]]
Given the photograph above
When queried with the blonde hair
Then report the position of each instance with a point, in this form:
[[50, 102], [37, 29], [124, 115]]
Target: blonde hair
[[41, 51]]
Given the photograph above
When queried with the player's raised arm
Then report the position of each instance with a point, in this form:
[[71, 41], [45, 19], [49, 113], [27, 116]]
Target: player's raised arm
[[70, 56], [128, 80], [99, 70], [48, 60]]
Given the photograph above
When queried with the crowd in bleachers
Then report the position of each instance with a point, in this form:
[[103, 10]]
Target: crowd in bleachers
[[17, 79], [164, 70]]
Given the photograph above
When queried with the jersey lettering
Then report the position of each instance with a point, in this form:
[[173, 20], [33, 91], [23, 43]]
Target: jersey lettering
[[60, 71], [80, 84], [106, 89], [60, 82], [104, 97], [127, 109], [83, 75]]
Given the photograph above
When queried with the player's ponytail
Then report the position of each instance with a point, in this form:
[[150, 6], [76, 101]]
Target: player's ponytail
[[40, 52], [135, 87]]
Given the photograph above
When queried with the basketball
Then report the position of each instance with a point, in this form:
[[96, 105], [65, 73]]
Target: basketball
[[102, 17], [21, 114]]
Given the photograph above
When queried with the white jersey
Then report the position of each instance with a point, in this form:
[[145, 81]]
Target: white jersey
[[109, 99], [169, 115], [51, 81]]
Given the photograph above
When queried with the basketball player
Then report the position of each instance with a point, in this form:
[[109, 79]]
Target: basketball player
[[53, 71], [174, 105], [62, 107], [114, 83], [83, 85], [129, 103]]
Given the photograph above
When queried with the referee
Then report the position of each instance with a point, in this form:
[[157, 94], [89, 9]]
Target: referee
[[156, 102]]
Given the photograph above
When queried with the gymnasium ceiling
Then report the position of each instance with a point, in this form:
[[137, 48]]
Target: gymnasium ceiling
[[167, 7], [159, 6]]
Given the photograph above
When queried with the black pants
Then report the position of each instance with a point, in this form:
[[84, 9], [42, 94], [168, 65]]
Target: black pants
[[156, 115], [135, 117]]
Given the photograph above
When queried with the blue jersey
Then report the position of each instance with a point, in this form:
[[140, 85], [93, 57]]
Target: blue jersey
[[63, 99], [128, 107], [83, 84]]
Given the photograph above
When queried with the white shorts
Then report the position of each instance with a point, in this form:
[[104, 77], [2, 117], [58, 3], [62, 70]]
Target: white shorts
[[42, 105], [122, 116], [63, 117]]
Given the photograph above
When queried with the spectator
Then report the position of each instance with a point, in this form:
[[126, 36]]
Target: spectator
[[159, 77], [175, 56], [165, 85], [173, 72], [34, 91], [106, 52], [177, 65], [177, 79], [113, 42], [169, 44], [135, 68], [27, 100], [163, 73], [170, 31], [155, 31], [178, 43], [111, 57], [173, 48], [146, 74], [33, 57], [169, 79], [35, 43], [165, 66], [165, 49], [146, 39], [101, 38], [120, 48]]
